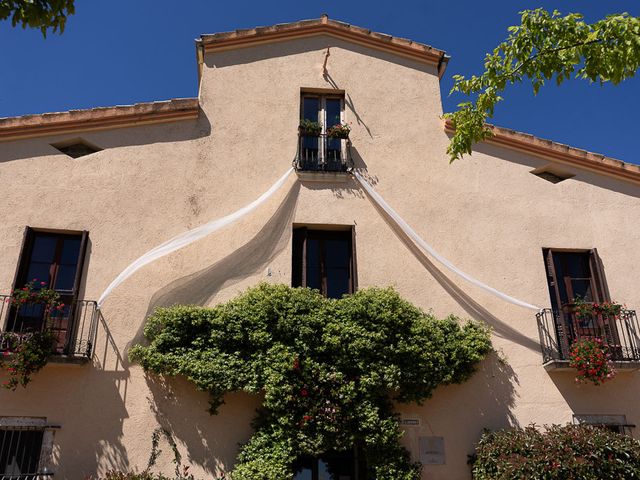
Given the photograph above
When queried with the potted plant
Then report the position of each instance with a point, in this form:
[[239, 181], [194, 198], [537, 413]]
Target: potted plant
[[592, 360], [584, 310], [340, 130], [309, 128]]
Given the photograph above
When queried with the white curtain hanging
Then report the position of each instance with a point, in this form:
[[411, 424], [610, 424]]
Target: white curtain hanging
[[189, 237], [429, 249]]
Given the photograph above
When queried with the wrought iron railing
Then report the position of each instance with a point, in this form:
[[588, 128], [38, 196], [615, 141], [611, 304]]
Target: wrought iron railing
[[619, 333], [73, 326], [320, 153], [26, 476]]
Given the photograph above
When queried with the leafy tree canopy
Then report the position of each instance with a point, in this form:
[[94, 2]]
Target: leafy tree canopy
[[545, 46], [329, 369], [42, 14]]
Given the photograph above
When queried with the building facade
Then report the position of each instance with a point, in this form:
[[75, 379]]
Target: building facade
[[88, 192]]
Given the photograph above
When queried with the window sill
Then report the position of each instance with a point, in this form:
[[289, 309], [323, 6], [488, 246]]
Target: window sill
[[68, 360], [311, 176]]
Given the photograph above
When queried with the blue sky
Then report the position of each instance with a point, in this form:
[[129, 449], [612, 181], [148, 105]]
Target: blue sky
[[120, 52]]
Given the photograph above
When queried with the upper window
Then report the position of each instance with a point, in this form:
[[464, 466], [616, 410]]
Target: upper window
[[324, 260], [574, 274], [323, 133], [52, 260]]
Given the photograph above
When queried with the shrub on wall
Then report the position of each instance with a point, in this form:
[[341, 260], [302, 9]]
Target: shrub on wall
[[579, 452], [330, 370]]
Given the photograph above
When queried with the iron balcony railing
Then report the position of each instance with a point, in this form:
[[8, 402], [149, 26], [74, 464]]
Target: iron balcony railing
[[73, 326], [27, 476], [619, 333], [320, 153]]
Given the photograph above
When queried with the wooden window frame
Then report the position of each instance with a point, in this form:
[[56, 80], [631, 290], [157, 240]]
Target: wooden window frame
[[322, 115], [299, 255], [24, 260]]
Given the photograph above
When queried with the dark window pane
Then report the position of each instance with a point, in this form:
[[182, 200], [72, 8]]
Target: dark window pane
[[310, 108], [303, 468], [313, 253], [44, 248], [304, 473], [328, 262], [337, 252], [66, 277], [337, 282], [333, 108], [313, 278], [19, 451], [573, 275], [70, 251], [39, 271], [582, 289]]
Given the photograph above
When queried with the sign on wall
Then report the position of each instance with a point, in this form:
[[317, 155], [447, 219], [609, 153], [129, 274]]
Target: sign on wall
[[432, 450]]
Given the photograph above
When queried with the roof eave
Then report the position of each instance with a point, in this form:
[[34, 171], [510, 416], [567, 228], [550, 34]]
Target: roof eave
[[102, 118], [560, 153]]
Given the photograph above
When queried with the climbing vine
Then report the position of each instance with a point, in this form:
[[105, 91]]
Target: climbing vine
[[330, 370]]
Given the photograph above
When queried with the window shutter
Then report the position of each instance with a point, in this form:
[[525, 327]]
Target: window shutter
[[597, 273], [79, 268], [354, 263], [299, 258], [556, 300]]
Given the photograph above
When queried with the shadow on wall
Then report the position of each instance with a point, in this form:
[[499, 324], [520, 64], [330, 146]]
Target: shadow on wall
[[201, 287], [615, 397], [473, 308], [170, 132], [348, 189], [347, 99], [210, 441], [92, 399], [462, 412]]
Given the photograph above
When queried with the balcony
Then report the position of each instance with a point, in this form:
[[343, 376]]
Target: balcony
[[321, 153], [74, 327], [619, 333]]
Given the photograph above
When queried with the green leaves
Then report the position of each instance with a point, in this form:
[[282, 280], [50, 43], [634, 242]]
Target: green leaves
[[42, 14], [329, 369], [545, 46]]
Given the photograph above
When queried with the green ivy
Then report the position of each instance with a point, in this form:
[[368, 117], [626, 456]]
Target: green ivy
[[330, 370]]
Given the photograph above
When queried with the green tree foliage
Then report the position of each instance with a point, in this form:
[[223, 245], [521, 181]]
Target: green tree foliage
[[42, 14], [329, 369], [571, 452], [545, 46]]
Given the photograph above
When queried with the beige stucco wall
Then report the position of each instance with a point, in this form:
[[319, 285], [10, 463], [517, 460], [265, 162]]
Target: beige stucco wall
[[487, 214]]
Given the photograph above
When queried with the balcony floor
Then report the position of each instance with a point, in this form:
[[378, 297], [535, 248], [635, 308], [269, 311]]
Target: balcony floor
[[563, 366]]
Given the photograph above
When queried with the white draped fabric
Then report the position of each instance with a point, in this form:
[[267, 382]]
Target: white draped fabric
[[429, 249], [195, 234], [190, 236]]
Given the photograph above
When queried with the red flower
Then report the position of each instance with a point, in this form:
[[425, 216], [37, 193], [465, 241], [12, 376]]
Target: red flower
[[304, 392]]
